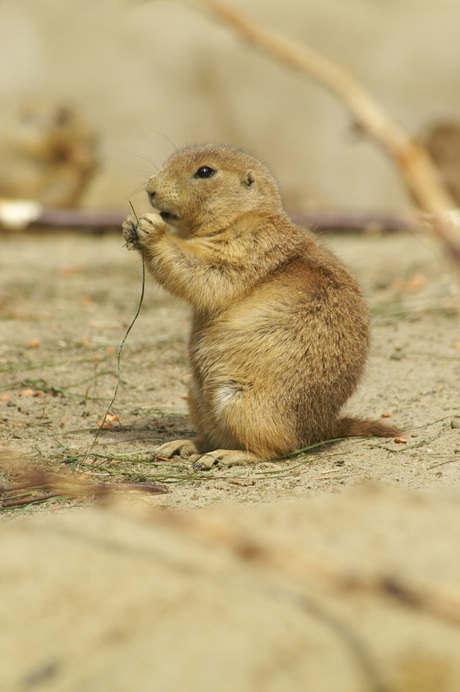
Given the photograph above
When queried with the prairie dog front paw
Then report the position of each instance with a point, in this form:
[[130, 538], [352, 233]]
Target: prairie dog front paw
[[140, 233], [129, 230], [150, 226]]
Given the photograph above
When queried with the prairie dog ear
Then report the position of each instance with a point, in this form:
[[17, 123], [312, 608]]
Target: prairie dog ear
[[249, 178]]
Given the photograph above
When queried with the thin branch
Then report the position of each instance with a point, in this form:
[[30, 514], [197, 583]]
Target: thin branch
[[417, 169]]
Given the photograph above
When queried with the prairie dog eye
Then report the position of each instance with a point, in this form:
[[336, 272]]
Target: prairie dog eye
[[204, 172]]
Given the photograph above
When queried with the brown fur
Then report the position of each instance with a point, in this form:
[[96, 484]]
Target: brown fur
[[280, 330]]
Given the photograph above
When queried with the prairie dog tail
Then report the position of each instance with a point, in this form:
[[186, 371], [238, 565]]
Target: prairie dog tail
[[361, 427]]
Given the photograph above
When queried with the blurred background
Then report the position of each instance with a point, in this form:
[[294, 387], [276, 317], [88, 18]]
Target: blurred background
[[133, 81]]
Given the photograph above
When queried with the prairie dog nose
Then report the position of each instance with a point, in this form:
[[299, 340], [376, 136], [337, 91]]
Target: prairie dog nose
[[150, 189]]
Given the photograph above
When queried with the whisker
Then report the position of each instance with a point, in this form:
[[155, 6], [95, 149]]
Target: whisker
[[166, 138]]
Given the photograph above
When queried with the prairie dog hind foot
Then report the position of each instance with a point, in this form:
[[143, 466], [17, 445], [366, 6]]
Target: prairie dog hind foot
[[225, 458], [220, 457], [182, 448]]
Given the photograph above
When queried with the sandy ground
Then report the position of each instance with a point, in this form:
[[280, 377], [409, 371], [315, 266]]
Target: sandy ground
[[277, 578], [356, 592], [67, 300]]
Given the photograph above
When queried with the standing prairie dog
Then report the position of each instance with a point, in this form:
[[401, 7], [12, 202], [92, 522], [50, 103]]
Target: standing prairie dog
[[280, 330]]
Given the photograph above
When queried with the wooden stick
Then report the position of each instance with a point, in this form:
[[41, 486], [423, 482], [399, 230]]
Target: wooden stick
[[338, 219], [417, 169], [350, 220], [80, 218]]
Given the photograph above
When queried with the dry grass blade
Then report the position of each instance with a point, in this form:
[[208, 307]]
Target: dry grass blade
[[131, 325], [35, 485]]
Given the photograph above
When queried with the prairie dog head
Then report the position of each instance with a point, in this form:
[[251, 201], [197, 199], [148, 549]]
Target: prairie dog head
[[204, 189]]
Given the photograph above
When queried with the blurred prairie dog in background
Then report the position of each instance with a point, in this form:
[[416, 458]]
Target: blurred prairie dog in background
[[280, 330], [442, 141], [47, 154]]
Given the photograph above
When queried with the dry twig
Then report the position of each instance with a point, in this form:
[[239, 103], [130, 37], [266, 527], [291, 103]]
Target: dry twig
[[418, 171]]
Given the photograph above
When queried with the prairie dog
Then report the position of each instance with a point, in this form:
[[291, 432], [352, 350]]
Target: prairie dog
[[280, 330], [443, 144], [47, 153]]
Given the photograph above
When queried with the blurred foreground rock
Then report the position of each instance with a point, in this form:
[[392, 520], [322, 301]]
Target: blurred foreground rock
[[121, 599]]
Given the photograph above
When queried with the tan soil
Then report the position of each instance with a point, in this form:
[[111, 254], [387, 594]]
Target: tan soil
[[76, 296]]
